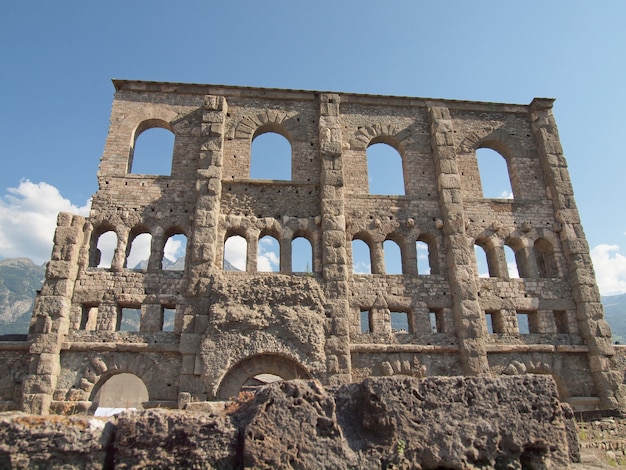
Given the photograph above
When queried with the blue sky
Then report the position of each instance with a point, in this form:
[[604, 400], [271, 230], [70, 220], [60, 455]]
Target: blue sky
[[57, 60]]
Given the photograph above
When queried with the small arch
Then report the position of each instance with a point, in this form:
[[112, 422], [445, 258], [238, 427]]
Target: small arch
[[484, 267], [494, 173], [102, 249], [138, 249], [384, 169], [426, 249], [247, 369], [546, 258], [393, 257], [361, 257], [301, 255], [270, 155], [235, 253], [511, 257], [268, 258], [174, 252], [114, 393], [152, 148]]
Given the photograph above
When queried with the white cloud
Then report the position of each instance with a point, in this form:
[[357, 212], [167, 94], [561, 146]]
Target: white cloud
[[506, 194], [268, 258], [610, 267], [28, 216], [175, 247]]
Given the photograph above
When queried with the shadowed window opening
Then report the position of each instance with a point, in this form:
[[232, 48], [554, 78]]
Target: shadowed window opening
[[561, 323], [393, 257], [494, 174], [128, 319], [399, 322], [495, 322], [139, 252], [301, 255], [152, 152], [365, 320], [89, 317], [235, 253], [169, 316], [270, 157], [384, 170], [436, 321], [546, 259], [268, 258]]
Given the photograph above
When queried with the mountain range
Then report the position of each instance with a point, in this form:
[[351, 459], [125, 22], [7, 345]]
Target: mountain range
[[20, 279]]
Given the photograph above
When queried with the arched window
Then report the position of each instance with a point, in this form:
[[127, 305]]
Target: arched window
[[384, 170], [301, 255], [270, 157], [268, 257], [119, 392], [546, 259], [235, 253], [482, 261], [361, 257], [511, 262], [174, 253], [138, 251], [153, 149], [494, 174], [102, 255], [393, 257]]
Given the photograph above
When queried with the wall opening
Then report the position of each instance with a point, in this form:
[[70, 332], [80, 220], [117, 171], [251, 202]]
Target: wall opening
[[436, 321], [235, 253], [174, 253], [560, 321], [105, 248], [361, 257], [169, 316], [89, 317], [270, 157], [365, 321], [527, 322], [139, 252], [511, 262], [482, 262], [384, 170], [152, 152], [128, 319], [494, 174], [301, 255], [495, 321], [423, 258], [268, 257], [400, 322], [546, 259], [393, 257], [120, 392]]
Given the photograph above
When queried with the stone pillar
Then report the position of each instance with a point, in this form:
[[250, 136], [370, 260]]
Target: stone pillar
[[52, 315], [468, 317], [590, 314], [204, 241], [334, 255]]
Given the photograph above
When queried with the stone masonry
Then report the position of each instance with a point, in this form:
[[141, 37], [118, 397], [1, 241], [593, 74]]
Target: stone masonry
[[329, 324]]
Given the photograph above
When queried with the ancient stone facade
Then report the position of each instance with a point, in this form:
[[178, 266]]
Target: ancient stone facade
[[331, 323]]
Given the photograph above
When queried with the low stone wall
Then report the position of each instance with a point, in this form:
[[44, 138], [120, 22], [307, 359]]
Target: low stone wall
[[395, 422]]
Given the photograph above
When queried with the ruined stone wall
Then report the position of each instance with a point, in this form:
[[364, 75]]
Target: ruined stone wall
[[331, 323]]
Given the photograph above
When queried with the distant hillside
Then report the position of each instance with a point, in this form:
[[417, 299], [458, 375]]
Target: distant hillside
[[615, 315], [20, 279]]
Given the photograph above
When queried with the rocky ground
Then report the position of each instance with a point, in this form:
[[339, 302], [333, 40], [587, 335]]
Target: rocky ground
[[602, 443]]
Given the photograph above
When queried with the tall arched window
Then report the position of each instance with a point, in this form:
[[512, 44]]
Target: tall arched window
[[270, 157], [174, 253], [102, 255], [139, 251], [301, 255], [152, 151], [361, 257], [235, 253], [511, 262], [546, 259], [494, 174], [384, 170], [481, 261], [268, 255], [393, 257]]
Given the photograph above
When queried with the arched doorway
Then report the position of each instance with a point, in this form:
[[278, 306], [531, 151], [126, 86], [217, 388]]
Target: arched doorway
[[120, 392], [258, 370]]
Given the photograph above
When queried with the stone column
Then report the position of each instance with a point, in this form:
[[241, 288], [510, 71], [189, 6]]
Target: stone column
[[334, 254], [52, 315], [590, 314], [204, 240], [468, 317]]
